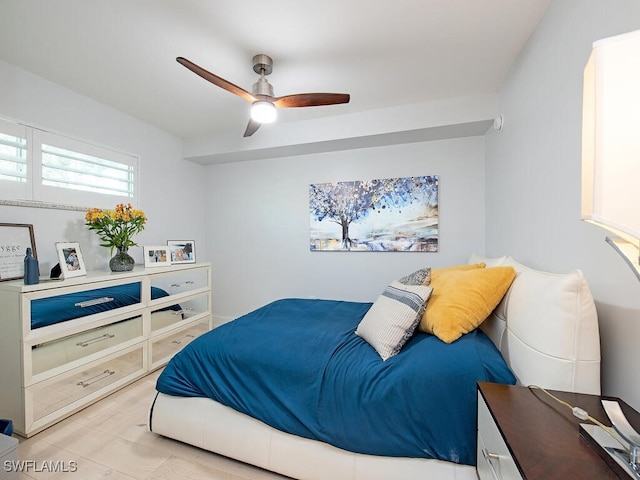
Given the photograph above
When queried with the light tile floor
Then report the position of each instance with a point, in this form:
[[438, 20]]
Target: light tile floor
[[110, 440]]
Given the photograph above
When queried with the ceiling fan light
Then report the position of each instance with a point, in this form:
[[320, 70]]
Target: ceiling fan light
[[263, 111]]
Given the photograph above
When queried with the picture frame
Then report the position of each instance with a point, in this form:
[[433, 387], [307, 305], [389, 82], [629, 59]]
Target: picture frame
[[157, 256], [71, 260], [182, 251], [15, 238]]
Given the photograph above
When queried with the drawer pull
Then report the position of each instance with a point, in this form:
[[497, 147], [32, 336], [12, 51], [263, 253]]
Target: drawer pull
[[95, 301], [489, 457], [91, 341], [97, 378], [182, 310], [188, 335]]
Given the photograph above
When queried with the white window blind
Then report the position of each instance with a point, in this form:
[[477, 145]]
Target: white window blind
[[13, 158], [68, 169], [54, 169], [14, 161]]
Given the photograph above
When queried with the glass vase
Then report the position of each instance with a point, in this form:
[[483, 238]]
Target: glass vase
[[121, 261]]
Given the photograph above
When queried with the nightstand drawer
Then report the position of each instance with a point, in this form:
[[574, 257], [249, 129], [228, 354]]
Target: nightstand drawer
[[50, 355], [64, 390], [494, 461]]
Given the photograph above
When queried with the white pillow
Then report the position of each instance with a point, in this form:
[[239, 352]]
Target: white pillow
[[393, 317], [488, 261], [546, 327]]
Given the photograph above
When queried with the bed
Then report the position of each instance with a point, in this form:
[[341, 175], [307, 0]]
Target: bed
[[342, 405]]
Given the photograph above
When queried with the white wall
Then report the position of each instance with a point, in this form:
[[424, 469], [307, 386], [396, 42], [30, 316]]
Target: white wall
[[258, 222], [171, 190], [533, 176]]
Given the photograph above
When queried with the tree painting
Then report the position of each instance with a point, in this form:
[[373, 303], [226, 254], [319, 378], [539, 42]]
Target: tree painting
[[393, 214]]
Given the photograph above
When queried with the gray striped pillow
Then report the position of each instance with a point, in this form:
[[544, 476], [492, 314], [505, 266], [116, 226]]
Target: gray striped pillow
[[393, 317]]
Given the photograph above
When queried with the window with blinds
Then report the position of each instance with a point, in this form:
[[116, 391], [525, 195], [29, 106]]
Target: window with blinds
[[41, 166], [13, 158]]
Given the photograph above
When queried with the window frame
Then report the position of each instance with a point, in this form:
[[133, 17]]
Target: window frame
[[34, 193]]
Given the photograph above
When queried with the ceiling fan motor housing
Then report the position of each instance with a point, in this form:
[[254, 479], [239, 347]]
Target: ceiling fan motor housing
[[263, 65], [262, 87]]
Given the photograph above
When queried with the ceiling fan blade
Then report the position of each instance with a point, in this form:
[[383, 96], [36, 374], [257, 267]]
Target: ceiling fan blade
[[311, 100], [216, 80], [252, 126]]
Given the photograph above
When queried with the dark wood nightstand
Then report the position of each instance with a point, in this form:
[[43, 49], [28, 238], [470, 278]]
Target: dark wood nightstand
[[525, 434]]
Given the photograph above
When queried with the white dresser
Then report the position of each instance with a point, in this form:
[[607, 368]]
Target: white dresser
[[50, 372]]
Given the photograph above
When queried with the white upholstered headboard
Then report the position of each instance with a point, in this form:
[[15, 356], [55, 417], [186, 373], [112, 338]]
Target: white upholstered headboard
[[546, 327]]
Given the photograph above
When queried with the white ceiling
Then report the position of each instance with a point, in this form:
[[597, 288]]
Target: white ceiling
[[122, 52]]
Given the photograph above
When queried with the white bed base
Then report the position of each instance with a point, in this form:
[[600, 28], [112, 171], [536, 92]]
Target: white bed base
[[208, 424], [546, 328]]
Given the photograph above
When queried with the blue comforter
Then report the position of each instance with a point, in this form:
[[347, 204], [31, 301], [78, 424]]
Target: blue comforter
[[297, 365]]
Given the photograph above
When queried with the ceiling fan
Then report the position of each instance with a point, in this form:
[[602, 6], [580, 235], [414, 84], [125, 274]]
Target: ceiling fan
[[263, 108]]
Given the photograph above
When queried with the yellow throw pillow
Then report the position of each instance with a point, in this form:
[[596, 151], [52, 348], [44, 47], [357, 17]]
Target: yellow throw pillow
[[435, 272], [462, 299]]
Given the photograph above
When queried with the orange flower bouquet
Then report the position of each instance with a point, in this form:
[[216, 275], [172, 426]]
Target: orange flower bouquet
[[116, 227]]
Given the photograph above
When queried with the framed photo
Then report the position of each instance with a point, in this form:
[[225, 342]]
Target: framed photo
[[15, 238], [70, 258], [157, 256], [182, 251]]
